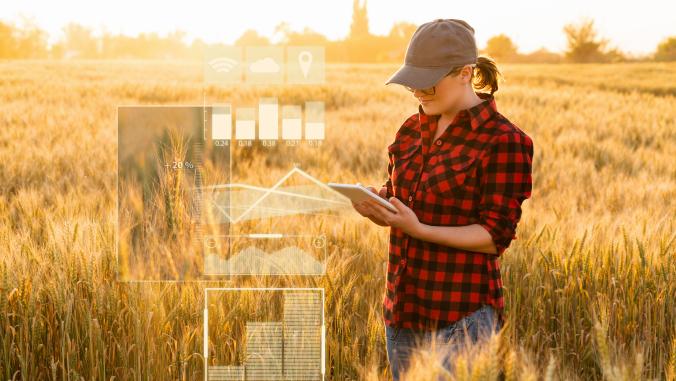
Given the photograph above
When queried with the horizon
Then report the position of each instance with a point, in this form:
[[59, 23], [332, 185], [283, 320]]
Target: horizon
[[128, 18]]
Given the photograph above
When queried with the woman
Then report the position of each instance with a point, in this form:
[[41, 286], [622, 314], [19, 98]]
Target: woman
[[458, 174]]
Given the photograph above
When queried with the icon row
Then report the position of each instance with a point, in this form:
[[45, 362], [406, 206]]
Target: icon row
[[264, 65], [268, 121]]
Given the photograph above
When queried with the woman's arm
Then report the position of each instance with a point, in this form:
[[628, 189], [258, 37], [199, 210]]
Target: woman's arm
[[468, 237], [506, 183]]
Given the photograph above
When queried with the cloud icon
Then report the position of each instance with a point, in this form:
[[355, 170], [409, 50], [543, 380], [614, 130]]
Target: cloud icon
[[264, 65]]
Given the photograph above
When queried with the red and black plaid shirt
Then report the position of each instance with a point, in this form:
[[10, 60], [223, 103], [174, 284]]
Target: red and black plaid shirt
[[477, 172]]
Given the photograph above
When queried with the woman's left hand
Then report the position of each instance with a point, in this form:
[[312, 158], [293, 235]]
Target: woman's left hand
[[405, 219]]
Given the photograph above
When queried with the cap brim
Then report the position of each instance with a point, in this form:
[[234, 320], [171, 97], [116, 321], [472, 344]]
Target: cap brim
[[418, 77]]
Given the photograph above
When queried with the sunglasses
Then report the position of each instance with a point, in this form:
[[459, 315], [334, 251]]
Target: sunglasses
[[432, 90]]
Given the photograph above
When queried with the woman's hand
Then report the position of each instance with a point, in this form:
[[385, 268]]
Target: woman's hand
[[365, 208], [405, 219]]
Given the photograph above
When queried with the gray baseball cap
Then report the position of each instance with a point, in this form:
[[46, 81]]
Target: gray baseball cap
[[435, 48]]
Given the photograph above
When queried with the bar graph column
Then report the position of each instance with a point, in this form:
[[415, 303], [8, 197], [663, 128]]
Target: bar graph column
[[263, 351], [268, 119], [226, 373], [221, 122], [245, 123], [292, 122], [302, 335], [314, 120]]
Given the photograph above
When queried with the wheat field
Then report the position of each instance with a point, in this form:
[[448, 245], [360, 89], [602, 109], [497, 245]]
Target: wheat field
[[590, 281]]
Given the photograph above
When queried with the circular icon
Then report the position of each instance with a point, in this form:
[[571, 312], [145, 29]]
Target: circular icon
[[210, 243], [319, 242]]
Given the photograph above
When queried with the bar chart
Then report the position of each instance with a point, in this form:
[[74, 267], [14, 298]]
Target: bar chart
[[291, 349], [296, 122]]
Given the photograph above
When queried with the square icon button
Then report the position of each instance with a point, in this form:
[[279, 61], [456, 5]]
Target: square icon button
[[264, 65], [223, 65], [305, 64]]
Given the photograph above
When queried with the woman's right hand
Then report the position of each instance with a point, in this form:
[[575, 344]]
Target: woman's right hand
[[365, 209]]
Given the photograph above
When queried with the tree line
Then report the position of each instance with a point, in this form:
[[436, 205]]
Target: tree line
[[28, 41]]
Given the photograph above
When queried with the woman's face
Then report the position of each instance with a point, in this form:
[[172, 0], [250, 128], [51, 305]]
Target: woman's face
[[448, 92]]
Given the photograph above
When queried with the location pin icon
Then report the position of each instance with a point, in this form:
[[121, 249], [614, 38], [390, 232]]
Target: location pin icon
[[305, 60]]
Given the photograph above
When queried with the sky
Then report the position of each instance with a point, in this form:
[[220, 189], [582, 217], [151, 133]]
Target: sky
[[633, 27]]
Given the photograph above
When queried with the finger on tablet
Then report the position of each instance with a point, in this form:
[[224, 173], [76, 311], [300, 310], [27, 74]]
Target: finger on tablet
[[362, 209], [376, 205], [379, 212]]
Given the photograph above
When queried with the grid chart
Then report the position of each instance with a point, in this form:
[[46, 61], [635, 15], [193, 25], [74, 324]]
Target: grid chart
[[282, 351]]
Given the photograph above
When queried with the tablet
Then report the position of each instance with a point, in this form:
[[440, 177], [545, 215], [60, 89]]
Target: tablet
[[358, 193]]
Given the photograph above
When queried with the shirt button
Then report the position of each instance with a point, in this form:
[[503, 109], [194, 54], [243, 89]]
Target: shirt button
[[410, 198], [438, 142]]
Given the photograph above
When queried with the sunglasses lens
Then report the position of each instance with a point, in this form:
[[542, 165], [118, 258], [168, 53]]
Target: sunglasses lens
[[428, 91]]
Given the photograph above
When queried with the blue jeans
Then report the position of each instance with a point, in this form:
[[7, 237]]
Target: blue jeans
[[402, 341]]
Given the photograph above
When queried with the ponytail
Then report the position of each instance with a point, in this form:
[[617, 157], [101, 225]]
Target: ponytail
[[485, 74]]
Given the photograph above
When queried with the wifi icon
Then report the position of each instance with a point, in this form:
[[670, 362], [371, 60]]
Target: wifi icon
[[223, 64]]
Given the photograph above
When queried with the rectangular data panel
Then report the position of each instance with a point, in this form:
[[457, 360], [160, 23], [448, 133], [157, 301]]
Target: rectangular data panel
[[166, 157], [264, 334], [292, 122], [221, 123], [314, 121], [268, 119], [264, 254], [245, 123]]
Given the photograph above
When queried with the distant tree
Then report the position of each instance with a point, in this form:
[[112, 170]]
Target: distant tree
[[32, 43], [306, 37], [360, 21], [541, 55], [78, 41], [7, 41], [614, 55], [402, 31], [282, 31], [175, 45], [501, 48], [251, 38], [24, 41], [361, 45], [666, 50], [118, 46], [392, 48], [583, 43]]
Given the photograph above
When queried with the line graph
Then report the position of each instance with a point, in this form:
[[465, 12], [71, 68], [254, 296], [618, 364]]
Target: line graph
[[265, 254], [297, 192]]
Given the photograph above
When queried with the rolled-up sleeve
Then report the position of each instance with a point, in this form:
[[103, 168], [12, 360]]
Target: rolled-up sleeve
[[506, 181]]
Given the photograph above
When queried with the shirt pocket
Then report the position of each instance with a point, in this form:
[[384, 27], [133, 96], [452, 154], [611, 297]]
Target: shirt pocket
[[403, 160], [452, 176]]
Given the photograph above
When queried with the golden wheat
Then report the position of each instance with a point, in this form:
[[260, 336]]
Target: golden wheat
[[596, 242]]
